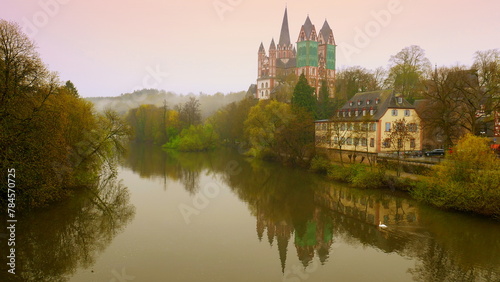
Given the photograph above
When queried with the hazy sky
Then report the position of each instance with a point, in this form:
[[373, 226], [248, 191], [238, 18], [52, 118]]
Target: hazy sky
[[109, 47]]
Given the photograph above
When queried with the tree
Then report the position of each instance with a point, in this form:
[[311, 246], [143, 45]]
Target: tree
[[303, 95], [71, 88], [189, 112], [408, 68], [442, 113], [338, 131], [401, 133], [468, 179], [283, 92], [45, 129], [264, 123], [355, 79], [325, 105]]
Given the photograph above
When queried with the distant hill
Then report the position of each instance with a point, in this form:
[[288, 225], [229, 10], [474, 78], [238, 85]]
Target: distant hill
[[208, 103]]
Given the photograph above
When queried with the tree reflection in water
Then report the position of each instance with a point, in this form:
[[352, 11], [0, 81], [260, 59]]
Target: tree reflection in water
[[51, 244], [295, 207]]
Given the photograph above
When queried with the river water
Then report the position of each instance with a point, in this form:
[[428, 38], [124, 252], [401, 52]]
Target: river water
[[222, 217]]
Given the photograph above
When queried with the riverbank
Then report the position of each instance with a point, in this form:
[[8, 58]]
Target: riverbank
[[437, 187]]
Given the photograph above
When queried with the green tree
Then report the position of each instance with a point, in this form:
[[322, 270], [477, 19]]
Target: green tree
[[303, 95], [265, 121], [407, 72]]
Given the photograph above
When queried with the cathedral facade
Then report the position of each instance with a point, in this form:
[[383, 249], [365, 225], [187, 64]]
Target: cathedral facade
[[314, 56]]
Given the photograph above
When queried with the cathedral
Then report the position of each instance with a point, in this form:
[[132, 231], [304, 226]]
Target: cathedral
[[314, 57]]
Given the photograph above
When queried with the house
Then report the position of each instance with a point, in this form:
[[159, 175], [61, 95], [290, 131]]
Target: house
[[372, 122]]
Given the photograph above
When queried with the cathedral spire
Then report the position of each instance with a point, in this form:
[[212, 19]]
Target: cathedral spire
[[285, 34]]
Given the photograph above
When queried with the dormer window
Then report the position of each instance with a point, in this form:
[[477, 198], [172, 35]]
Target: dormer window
[[372, 111], [377, 101], [356, 112], [400, 100], [359, 102], [364, 112], [368, 102], [350, 104]]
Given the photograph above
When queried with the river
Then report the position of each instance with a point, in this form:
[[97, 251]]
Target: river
[[219, 216]]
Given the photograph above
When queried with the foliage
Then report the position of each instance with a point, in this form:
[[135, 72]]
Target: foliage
[[189, 112], [150, 123], [229, 121], [408, 70], [468, 179], [320, 164], [303, 95], [50, 136], [352, 80], [264, 123], [196, 138]]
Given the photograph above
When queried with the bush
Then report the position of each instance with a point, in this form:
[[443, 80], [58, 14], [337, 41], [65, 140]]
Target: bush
[[193, 139], [320, 164], [467, 180], [369, 179]]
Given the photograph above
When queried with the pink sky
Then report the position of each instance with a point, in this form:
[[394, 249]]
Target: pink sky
[[115, 46]]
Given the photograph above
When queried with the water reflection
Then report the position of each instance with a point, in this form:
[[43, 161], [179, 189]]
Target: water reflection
[[52, 244], [299, 209]]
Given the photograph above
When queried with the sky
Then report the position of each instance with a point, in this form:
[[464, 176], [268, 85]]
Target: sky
[[111, 47]]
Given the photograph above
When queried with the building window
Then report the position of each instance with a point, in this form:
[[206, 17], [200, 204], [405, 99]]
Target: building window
[[372, 111], [407, 113], [364, 112], [363, 142], [373, 126], [350, 104], [400, 100], [266, 85], [412, 143], [368, 102], [412, 127], [349, 141], [356, 112], [377, 101], [400, 143], [395, 113], [356, 141], [350, 127], [387, 143], [387, 126], [372, 142]]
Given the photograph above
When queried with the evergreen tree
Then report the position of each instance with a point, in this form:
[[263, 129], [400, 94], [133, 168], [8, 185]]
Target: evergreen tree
[[324, 109], [303, 96]]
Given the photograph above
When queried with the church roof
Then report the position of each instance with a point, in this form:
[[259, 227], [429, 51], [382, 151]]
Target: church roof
[[285, 34], [308, 27], [272, 46], [326, 31], [261, 48]]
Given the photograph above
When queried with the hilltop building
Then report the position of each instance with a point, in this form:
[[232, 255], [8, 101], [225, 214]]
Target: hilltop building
[[314, 56]]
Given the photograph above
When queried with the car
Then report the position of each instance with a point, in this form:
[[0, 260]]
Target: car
[[435, 152]]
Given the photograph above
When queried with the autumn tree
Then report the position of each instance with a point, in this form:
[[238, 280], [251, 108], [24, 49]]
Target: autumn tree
[[467, 180], [264, 123], [45, 128], [189, 112], [407, 71], [352, 80]]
